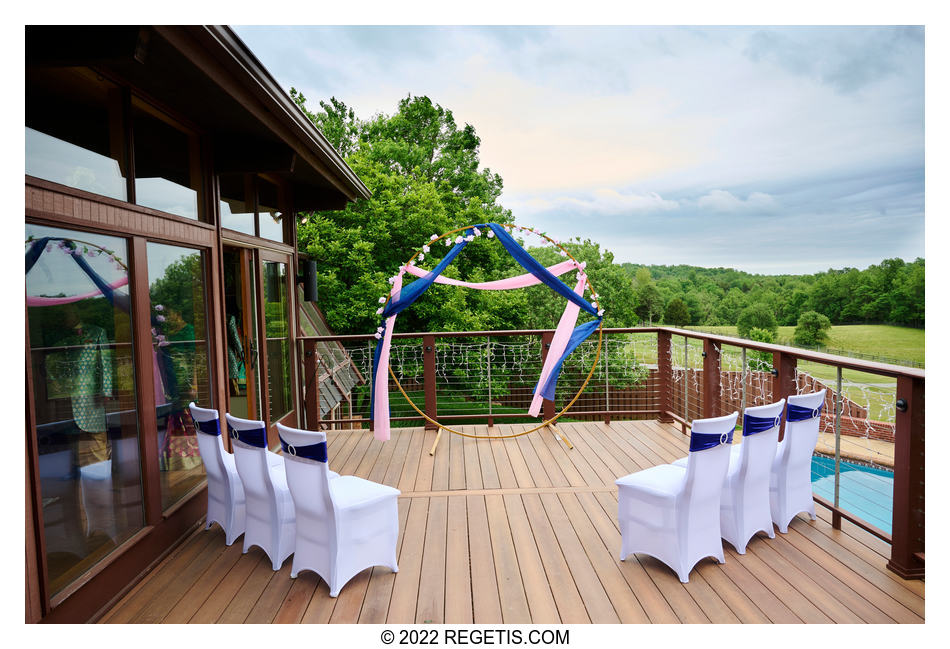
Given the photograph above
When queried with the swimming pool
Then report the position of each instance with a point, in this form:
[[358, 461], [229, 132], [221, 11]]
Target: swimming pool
[[866, 492]]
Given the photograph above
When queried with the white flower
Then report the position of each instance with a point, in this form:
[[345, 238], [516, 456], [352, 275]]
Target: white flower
[[458, 239], [379, 330], [422, 256], [593, 304], [583, 264], [563, 253], [470, 237], [448, 242], [425, 249], [391, 280], [491, 234], [601, 312], [379, 311], [476, 232], [377, 335], [433, 237], [382, 300], [412, 262]]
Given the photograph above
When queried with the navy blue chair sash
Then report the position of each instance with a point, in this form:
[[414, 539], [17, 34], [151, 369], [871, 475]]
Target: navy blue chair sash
[[797, 413], [256, 437], [705, 441], [316, 451], [752, 425], [210, 427]]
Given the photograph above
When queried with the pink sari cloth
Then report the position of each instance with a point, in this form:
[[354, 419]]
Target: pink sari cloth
[[558, 344], [381, 389], [32, 300], [520, 281]]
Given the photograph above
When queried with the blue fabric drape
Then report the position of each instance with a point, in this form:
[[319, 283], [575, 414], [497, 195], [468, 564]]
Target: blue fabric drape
[[211, 427], [579, 335], [256, 437], [316, 451], [705, 441], [752, 425], [797, 413], [33, 254]]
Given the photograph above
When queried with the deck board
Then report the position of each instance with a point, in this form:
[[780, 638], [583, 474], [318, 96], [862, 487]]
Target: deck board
[[525, 530]]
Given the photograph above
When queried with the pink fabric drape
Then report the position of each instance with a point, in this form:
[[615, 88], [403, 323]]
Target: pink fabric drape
[[520, 281], [381, 389], [558, 344], [32, 300]]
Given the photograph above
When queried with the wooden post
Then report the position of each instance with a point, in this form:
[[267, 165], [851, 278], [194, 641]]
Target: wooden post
[[311, 373], [547, 408], [428, 372], [907, 531], [783, 385], [712, 390], [664, 364]]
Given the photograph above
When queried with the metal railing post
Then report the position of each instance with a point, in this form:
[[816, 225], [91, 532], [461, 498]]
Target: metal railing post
[[547, 409], [606, 380], [664, 365], [835, 516], [744, 377], [491, 421], [685, 382]]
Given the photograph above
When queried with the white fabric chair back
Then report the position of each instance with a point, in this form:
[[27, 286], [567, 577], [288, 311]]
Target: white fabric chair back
[[758, 449], [251, 461], [705, 473], [211, 448], [800, 439], [308, 477]]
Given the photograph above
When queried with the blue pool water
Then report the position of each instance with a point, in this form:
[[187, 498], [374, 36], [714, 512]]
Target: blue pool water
[[865, 491]]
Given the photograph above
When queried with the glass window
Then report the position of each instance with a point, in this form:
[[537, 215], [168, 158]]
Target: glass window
[[84, 395], [180, 349], [237, 202], [167, 163], [74, 130], [277, 332], [271, 218]]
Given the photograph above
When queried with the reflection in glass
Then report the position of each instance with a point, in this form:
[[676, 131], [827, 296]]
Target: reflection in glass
[[73, 130], [270, 217], [84, 396], [237, 202], [167, 165], [278, 347], [180, 354]]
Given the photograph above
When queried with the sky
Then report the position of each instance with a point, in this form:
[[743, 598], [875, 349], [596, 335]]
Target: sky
[[768, 149]]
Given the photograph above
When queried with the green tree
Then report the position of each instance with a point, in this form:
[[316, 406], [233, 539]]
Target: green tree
[[677, 313], [812, 329], [425, 176], [649, 301], [756, 316], [760, 361]]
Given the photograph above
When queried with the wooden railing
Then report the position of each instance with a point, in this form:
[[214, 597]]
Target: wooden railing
[[672, 392]]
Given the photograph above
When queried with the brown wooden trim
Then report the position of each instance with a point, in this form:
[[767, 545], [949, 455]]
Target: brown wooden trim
[[36, 571], [783, 383], [120, 571], [908, 510], [46, 185], [864, 525], [428, 377], [664, 362], [144, 381], [712, 389], [257, 276], [240, 239], [502, 415]]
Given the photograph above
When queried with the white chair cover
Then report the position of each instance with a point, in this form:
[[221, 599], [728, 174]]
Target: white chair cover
[[270, 508], [744, 507], [226, 505], [112, 490], [344, 525], [790, 489], [672, 512]]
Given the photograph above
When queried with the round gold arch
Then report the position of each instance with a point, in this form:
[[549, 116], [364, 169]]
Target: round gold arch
[[546, 423]]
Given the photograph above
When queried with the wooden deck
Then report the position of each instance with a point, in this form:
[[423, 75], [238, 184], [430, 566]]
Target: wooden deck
[[525, 530]]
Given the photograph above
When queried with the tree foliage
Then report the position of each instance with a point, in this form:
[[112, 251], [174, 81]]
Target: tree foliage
[[812, 329], [757, 316], [677, 313]]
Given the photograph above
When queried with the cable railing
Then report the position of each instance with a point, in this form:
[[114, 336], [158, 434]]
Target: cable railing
[[868, 465]]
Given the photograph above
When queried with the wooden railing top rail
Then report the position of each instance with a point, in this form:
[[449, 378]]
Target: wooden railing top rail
[[884, 369]]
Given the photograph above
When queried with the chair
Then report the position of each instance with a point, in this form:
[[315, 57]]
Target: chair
[[672, 512], [744, 506], [270, 509], [790, 489], [226, 504], [344, 525]]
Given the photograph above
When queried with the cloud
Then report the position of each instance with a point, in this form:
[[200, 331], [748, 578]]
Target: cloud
[[719, 200], [601, 201]]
